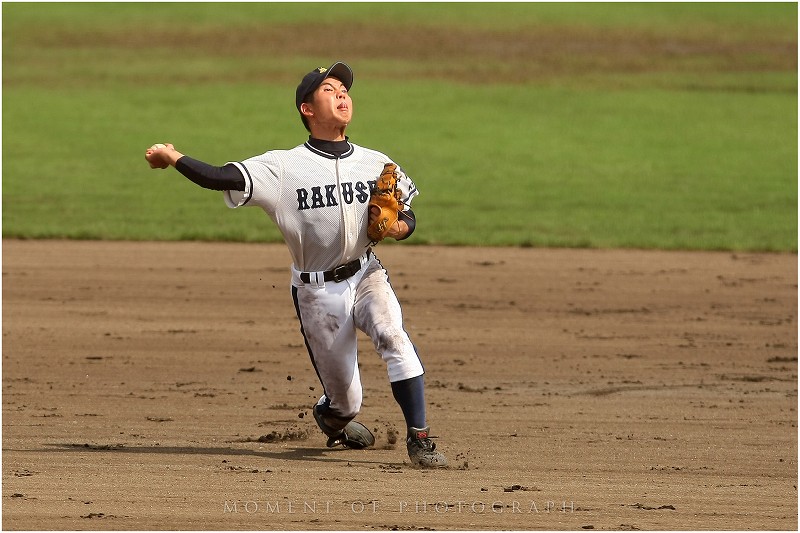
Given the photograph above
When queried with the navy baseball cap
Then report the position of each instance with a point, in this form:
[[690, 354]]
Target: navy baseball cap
[[313, 79]]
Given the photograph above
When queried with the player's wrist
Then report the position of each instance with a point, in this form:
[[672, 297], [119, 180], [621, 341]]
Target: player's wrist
[[173, 156], [399, 230]]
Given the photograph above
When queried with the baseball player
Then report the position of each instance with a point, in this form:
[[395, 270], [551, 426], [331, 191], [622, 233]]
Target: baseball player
[[319, 195]]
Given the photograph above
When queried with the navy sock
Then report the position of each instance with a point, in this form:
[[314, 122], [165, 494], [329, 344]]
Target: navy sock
[[410, 394]]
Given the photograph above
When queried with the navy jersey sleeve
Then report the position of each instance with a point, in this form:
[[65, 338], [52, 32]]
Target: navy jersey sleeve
[[224, 178]]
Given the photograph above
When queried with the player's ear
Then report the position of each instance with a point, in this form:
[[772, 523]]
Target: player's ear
[[306, 109]]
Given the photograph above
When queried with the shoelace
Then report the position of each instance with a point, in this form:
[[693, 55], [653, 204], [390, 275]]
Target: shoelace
[[425, 444]]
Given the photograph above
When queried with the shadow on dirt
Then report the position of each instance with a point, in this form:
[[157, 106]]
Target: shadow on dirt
[[340, 455]]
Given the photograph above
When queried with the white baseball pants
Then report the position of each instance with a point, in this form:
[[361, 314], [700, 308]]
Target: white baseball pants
[[331, 312]]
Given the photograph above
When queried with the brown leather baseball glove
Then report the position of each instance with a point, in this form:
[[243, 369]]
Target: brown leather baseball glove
[[386, 198]]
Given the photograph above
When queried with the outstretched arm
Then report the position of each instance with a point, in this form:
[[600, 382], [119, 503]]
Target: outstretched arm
[[224, 178]]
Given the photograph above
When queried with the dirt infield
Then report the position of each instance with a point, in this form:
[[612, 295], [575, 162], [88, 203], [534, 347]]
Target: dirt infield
[[166, 386]]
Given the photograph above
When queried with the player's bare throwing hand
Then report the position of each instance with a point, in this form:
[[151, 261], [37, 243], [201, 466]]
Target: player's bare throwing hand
[[318, 194]]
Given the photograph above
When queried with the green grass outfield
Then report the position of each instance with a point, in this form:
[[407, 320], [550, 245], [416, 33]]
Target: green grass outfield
[[602, 125]]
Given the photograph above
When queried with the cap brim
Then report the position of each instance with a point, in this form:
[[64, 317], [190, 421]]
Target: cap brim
[[342, 72]]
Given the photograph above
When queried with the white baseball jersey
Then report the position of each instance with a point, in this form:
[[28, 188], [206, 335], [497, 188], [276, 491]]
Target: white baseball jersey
[[318, 201]]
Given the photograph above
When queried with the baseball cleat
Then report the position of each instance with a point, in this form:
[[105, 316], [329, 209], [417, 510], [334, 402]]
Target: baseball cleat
[[354, 435], [422, 450]]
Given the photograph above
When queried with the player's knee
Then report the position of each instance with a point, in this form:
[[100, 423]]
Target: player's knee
[[390, 341]]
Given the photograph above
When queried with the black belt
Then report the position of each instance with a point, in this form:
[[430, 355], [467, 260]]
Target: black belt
[[340, 273]]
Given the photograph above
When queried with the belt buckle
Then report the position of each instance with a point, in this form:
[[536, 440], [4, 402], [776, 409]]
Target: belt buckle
[[339, 273]]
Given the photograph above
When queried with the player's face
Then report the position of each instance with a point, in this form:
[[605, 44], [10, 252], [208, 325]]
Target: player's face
[[332, 104]]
